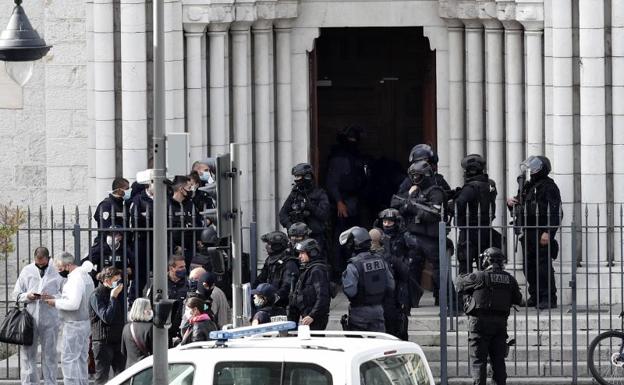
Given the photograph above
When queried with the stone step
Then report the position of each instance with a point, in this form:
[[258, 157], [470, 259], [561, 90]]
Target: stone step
[[460, 338], [519, 354], [533, 369]]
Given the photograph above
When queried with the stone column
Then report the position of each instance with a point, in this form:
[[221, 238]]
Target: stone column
[[90, 104], [617, 81], [194, 102], [219, 131], [514, 103], [474, 87], [133, 87], [104, 95], [495, 121], [284, 109], [264, 138], [302, 43], [241, 110], [174, 66], [534, 90], [457, 148]]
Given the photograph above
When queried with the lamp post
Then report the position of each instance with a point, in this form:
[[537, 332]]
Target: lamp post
[[20, 46]]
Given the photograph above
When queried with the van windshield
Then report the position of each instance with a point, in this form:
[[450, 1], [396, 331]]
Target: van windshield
[[402, 369], [270, 373]]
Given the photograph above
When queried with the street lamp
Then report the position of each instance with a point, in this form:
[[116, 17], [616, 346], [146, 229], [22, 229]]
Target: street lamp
[[20, 46]]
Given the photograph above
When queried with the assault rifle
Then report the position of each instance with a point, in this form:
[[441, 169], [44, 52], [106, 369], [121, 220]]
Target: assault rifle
[[298, 211], [421, 206], [518, 210]]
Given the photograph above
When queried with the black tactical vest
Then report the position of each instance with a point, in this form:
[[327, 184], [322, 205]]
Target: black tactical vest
[[494, 298], [480, 211], [372, 279]]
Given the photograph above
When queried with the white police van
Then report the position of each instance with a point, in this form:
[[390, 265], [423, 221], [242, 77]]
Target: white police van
[[270, 354]]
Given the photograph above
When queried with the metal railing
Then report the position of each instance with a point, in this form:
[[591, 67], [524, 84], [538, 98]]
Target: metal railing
[[75, 231], [551, 341]]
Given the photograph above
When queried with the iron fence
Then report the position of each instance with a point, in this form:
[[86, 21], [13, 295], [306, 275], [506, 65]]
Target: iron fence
[[75, 231], [553, 340]]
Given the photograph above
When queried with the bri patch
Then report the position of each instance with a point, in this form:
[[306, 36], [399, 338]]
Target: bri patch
[[373, 265]]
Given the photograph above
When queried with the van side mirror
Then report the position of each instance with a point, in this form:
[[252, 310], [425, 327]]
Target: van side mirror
[[162, 313]]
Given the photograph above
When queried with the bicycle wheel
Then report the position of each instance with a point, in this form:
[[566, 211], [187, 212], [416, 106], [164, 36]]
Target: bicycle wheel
[[605, 359]]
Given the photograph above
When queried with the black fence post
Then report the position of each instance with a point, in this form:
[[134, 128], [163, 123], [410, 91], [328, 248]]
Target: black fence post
[[572, 285], [76, 234], [443, 287], [253, 251]]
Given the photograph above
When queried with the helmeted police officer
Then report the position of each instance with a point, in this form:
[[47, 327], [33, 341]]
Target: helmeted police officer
[[264, 301], [114, 209], [297, 232], [280, 267], [475, 208], [491, 293], [366, 282], [306, 203], [182, 216], [424, 152], [422, 207], [396, 308], [310, 299], [541, 202]]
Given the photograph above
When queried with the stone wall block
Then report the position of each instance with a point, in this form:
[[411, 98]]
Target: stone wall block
[[133, 48], [592, 102], [64, 9], [618, 100], [70, 76], [562, 100], [592, 43], [65, 31], [66, 151], [59, 178], [594, 134], [66, 99], [134, 134], [105, 51], [68, 53], [134, 77]]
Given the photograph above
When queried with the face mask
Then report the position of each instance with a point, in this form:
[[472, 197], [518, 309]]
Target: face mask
[[112, 243], [42, 270], [180, 273], [149, 314], [258, 302], [64, 273], [193, 285], [188, 313], [114, 284], [127, 194], [206, 176], [193, 188]]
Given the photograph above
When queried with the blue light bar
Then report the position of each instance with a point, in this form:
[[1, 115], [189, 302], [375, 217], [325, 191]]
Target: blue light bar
[[252, 330]]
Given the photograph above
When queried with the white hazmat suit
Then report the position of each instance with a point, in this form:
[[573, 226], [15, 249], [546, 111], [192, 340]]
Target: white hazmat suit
[[73, 306], [46, 325]]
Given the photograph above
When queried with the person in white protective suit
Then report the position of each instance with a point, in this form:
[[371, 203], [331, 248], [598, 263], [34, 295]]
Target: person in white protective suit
[[37, 282], [73, 307]]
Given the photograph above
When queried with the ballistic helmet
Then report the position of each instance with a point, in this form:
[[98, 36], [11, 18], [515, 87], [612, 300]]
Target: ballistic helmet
[[473, 164], [303, 169], [276, 240], [309, 246], [423, 152], [536, 164], [492, 256], [299, 229], [392, 214], [356, 239], [418, 171]]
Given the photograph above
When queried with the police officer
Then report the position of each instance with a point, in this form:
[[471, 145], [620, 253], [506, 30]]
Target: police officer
[[421, 207], [297, 232], [309, 301], [113, 209], [141, 217], [397, 308], [264, 301], [346, 181], [424, 152], [475, 208], [491, 293], [540, 200], [280, 267], [306, 203], [366, 282], [183, 215]]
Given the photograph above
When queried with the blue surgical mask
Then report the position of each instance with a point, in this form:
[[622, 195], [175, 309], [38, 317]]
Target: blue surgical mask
[[114, 284], [180, 273], [127, 194], [206, 176]]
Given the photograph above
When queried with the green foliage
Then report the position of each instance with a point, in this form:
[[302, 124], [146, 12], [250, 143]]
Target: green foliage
[[10, 220]]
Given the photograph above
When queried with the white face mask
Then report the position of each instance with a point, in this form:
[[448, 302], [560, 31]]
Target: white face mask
[[258, 302], [112, 243], [188, 313], [149, 314]]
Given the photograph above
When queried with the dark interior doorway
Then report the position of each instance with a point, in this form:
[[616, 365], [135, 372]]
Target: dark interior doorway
[[382, 79]]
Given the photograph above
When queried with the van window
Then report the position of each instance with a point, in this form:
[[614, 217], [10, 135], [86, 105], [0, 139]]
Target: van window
[[270, 373], [402, 369], [179, 374]]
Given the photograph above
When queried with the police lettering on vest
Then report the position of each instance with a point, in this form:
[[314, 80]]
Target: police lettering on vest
[[372, 280]]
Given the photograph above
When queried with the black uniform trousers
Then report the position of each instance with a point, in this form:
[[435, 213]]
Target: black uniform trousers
[[540, 273], [107, 356], [487, 337]]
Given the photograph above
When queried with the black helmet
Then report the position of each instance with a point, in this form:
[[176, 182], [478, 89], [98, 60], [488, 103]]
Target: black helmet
[[392, 214], [309, 246], [299, 229], [209, 235], [276, 241], [473, 164], [492, 256], [423, 152], [536, 165], [356, 239], [418, 170], [303, 169]]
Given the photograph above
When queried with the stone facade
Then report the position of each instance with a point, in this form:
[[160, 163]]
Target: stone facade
[[514, 78]]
